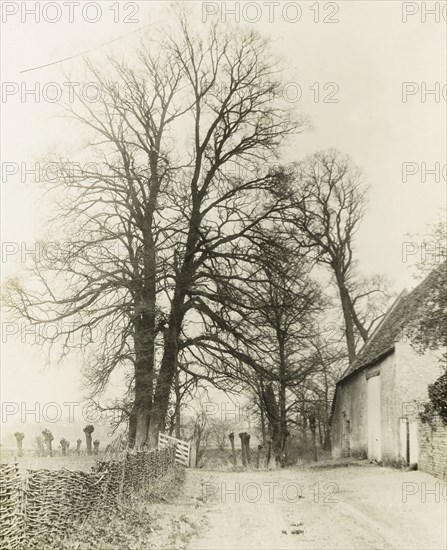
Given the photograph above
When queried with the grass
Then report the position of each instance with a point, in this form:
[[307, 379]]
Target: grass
[[221, 461], [154, 523]]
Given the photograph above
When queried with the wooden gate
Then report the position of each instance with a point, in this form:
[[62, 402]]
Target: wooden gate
[[182, 448]]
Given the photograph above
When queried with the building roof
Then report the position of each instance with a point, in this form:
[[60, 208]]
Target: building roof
[[392, 327]]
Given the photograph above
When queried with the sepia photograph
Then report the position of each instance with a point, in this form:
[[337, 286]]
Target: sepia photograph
[[223, 275]]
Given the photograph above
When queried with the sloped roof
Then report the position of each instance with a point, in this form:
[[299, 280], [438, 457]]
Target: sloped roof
[[392, 327]]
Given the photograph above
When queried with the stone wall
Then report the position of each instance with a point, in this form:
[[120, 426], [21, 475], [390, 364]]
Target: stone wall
[[351, 407], [404, 377], [415, 371], [432, 438]]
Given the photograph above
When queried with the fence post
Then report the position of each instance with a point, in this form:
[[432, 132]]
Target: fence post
[[233, 450], [258, 456], [247, 447], [269, 451], [244, 456]]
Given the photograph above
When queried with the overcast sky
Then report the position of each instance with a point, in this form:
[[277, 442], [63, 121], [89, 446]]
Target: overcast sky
[[362, 56]]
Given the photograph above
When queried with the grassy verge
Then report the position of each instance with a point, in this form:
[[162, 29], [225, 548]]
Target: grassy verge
[[158, 522]]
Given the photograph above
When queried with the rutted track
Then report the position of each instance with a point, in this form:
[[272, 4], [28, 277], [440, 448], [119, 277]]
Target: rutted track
[[347, 508]]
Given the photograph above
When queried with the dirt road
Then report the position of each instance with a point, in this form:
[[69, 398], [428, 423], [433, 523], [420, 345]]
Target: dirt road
[[345, 508]]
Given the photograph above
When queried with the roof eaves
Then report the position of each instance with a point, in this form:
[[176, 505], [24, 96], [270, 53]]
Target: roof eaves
[[371, 363], [370, 340]]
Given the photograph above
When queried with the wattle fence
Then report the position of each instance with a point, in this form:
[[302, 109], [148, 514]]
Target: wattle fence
[[40, 505]]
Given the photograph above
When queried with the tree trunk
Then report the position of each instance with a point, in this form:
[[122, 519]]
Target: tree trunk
[[362, 331], [247, 447], [233, 450], [263, 431], [273, 416], [88, 430], [269, 451], [347, 315], [168, 365], [282, 401], [63, 447], [244, 456], [19, 440], [320, 433], [258, 456], [164, 385], [302, 417], [132, 428], [177, 405], [327, 445], [327, 429], [49, 446], [144, 371], [144, 323], [313, 429]]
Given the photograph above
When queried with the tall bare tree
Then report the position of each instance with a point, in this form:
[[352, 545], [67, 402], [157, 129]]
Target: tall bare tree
[[328, 206], [143, 221]]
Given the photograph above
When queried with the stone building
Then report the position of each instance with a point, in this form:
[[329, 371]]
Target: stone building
[[378, 398]]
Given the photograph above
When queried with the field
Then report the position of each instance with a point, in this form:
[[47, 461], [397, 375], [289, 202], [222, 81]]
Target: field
[[71, 462]]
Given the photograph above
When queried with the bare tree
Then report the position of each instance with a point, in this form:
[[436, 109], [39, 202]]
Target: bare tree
[[262, 316], [328, 206], [143, 220], [234, 123]]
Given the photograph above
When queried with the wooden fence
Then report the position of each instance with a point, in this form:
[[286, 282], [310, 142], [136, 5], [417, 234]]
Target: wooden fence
[[182, 448]]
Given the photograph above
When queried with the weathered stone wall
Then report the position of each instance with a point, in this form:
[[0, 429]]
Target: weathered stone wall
[[351, 405], [404, 377], [432, 438], [415, 372]]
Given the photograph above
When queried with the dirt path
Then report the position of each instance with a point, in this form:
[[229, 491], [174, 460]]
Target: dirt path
[[346, 508]]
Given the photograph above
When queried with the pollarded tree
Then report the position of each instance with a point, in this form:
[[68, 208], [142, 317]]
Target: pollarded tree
[[19, 440], [38, 445], [48, 439], [88, 430], [141, 222], [96, 446], [64, 446]]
